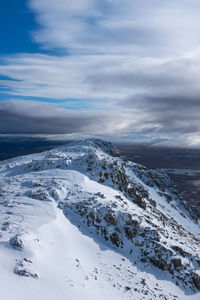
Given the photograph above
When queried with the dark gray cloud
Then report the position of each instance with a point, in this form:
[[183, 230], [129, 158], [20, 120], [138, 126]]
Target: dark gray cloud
[[165, 94], [170, 113], [32, 117]]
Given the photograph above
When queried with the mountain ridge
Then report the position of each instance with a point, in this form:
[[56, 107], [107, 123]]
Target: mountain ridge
[[122, 206]]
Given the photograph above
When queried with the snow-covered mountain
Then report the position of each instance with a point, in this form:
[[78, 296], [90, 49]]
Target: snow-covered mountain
[[81, 222]]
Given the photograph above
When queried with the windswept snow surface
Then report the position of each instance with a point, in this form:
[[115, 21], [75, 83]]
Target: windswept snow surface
[[73, 227]]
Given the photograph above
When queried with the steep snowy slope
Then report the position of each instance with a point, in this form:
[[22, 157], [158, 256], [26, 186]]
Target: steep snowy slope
[[80, 222]]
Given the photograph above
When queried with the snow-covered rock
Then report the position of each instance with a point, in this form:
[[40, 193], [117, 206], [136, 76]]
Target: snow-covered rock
[[88, 221]]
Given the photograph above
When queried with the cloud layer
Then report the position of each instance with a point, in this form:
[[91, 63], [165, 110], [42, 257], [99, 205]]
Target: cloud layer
[[117, 26], [32, 117], [135, 65]]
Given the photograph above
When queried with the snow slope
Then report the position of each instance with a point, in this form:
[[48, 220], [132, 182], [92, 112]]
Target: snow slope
[[80, 222]]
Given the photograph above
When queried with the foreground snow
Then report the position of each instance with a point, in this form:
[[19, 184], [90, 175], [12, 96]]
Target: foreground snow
[[72, 266], [49, 249]]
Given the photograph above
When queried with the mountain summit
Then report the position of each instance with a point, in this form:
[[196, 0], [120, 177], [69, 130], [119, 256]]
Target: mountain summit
[[81, 222]]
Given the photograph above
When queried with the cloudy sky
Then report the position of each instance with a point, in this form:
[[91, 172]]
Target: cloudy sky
[[123, 70]]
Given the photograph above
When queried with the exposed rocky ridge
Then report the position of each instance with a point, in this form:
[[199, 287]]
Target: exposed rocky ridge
[[118, 224], [144, 218], [101, 161]]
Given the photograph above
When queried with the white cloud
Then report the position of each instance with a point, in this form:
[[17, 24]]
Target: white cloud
[[101, 77], [137, 27]]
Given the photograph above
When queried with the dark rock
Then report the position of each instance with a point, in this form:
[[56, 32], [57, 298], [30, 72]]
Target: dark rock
[[198, 261], [158, 263], [140, 202], [180, 250], [91, 215], [111, 217], [100, 195], [16, 242], [196, 280], [176, 262], [25, 272], [116, 240], [152, 202], [131, 232]]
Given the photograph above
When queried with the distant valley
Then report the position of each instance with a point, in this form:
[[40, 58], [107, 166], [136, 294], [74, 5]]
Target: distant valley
[[181, 165]]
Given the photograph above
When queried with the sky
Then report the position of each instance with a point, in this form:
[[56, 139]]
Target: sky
[[125, 71]]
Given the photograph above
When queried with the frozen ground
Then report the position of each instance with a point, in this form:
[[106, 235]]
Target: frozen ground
[[50, 250]]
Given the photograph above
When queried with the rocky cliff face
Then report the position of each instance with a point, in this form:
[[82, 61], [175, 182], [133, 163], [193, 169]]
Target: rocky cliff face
[[132, 210]]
